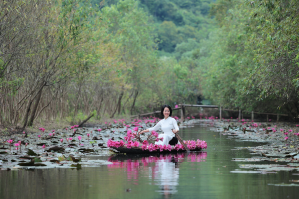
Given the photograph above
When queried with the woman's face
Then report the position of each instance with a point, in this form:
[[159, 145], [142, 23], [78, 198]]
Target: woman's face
[[166, 112]]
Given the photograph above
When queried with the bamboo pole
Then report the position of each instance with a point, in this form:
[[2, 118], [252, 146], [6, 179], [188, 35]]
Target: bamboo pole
[[181, 141]]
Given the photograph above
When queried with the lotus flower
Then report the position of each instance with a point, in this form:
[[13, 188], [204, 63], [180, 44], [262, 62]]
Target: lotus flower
[[286, 138], [154, 133]]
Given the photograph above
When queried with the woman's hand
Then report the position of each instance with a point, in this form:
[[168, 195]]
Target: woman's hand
[[174, 131], [144, 131]]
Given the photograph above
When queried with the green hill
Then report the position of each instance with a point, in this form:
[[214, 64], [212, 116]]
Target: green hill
[[179, 25]]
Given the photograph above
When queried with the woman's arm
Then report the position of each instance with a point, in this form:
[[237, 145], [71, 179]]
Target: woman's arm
[[155, 128], [176, 127]]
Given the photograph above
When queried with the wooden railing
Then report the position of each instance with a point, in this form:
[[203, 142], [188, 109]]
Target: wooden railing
[[183, 111]]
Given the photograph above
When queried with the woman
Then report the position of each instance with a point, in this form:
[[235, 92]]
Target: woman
[[168, 125]]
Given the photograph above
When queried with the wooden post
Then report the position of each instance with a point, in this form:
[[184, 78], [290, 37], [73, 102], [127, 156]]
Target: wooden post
[[220, 113], [267, 118], [183, 113], [239, 114], [252, 116], [277, 117]]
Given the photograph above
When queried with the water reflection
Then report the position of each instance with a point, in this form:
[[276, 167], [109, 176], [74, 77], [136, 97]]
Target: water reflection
[[163, 169]]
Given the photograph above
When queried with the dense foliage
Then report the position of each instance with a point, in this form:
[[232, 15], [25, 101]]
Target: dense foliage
[[71, 58], [251, 60]]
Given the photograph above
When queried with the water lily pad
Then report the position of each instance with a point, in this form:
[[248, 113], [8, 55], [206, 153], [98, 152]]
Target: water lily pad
[[56, 148], [83, 150], [41, 144], [245, 171], [31, 152], [285, 185]]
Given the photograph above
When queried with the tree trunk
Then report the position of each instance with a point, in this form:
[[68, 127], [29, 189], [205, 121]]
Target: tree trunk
[[118, 103], [90, 116], [133, 105], [27, 115], [33, 112], [99, 108]]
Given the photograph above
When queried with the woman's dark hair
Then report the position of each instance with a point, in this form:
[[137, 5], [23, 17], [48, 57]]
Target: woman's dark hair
[[166, 106]]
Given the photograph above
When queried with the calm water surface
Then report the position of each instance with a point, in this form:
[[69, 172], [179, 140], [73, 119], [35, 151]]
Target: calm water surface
[[194, 175]]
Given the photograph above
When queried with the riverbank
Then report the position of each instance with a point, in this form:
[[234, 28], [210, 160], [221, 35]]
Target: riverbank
[[279, 141], [70, 147]]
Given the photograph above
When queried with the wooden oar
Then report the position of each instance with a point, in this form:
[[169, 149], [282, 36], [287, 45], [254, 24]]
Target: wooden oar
[[181, 141]]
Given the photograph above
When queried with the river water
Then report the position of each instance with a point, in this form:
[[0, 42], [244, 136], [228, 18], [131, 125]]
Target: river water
[[195, 175]]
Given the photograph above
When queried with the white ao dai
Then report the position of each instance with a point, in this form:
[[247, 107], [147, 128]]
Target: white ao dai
[[166, 126]]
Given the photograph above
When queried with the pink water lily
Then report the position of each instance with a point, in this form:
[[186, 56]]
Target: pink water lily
[[154, 133], [17, 146]]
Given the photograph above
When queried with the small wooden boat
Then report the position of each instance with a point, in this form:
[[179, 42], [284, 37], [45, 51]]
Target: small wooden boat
[[138, 150], [134, 147]]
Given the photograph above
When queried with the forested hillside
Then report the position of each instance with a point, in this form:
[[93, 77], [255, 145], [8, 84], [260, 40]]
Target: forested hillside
[[66, 59], [251, 60], [178, 25]]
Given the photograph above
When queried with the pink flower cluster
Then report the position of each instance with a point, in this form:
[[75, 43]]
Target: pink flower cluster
[[9, 141], [154, 133], [179, 147], [42, 129], [129, 136], [115, 144], [131, 144], [75, 126], [176, 117], [192, 144], [156, 147]]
